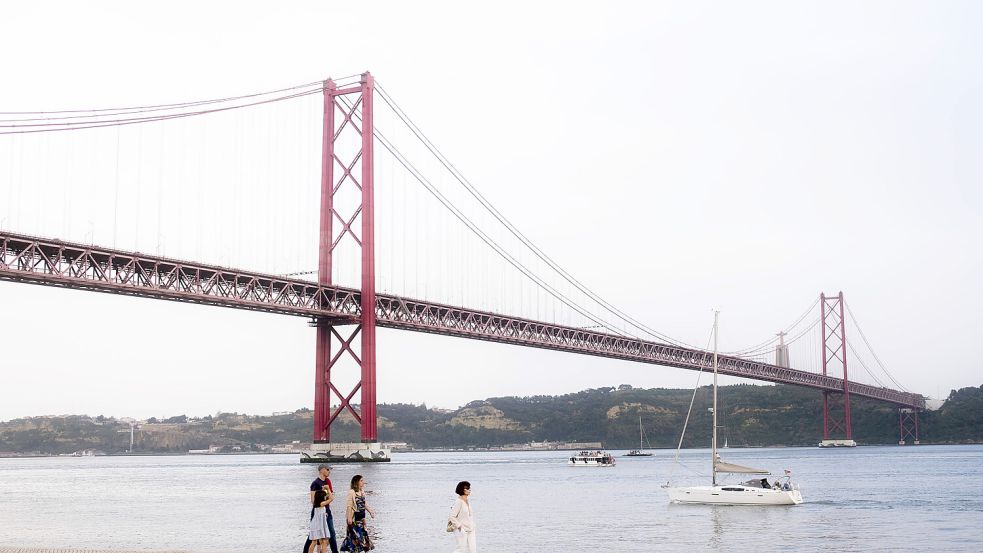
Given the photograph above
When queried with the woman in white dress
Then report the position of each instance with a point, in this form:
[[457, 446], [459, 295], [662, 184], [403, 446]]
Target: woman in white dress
[[462, 519]]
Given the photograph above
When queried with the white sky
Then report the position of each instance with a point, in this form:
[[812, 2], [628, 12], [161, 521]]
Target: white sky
[[674, 156]]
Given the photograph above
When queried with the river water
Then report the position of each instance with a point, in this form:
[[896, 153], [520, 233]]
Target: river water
[[913, 498]]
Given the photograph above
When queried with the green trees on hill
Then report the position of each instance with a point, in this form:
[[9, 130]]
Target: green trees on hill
[[750, 415], [959, 420]]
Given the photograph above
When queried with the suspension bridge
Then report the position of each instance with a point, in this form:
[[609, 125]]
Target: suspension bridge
[[461, 292]]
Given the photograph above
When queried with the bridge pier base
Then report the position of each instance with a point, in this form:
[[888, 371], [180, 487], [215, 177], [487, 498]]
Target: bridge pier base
[[341, 452]]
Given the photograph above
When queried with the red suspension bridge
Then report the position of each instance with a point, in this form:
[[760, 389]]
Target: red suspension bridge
[[346, 317]]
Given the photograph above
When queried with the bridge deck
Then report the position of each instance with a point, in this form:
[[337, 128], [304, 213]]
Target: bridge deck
[[48, 262]]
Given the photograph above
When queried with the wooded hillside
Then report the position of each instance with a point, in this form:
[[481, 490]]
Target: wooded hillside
[[750, 415]]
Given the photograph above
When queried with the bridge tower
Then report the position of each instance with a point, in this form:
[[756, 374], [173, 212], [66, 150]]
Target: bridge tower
[[834, 353], [347, 159], [908, 423]]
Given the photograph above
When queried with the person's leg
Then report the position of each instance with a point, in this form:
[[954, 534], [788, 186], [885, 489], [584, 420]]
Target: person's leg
[[307, 544], [472, 543], [332, 537], [462, 542]]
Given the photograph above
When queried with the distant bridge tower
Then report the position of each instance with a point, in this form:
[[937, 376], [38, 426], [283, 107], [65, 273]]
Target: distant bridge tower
[[781, 351], [834, 353], [908, 423]]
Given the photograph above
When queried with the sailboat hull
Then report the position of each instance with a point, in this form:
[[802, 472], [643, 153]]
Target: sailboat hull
[[733, 495]]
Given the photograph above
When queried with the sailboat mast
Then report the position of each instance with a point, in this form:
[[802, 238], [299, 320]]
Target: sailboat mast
[[713, 442], [640, 433]]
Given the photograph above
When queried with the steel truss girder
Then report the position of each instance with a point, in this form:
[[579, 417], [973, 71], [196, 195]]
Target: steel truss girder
[[56, 263], [407, 314], [36, 260]]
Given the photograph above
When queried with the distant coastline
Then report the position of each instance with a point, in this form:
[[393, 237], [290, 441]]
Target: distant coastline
[[662, 450], [751, 416]]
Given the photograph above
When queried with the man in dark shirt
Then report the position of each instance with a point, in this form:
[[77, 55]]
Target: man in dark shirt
[[319, 483]]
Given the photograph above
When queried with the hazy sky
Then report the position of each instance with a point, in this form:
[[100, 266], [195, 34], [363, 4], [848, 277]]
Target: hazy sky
[[675, 156]]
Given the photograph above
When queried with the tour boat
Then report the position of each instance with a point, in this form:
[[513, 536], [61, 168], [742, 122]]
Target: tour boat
[[640, 452], [837, 443], [752, 492], [591, 459]]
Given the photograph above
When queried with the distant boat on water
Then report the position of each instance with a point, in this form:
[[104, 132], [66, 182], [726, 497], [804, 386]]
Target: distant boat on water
[[591, 459], [640, 452], [837, 443]]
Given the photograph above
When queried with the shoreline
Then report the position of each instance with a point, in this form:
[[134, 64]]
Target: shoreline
[[449, 450]]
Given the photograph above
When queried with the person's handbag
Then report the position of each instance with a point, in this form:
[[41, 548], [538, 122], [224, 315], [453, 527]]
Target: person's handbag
[[450, 526]]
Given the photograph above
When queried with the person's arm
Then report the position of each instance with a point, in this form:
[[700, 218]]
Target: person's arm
[[455, 513], [329, 489], [312, 497], [350, 508]]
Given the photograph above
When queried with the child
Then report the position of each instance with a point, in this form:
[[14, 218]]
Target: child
[[319, 522]]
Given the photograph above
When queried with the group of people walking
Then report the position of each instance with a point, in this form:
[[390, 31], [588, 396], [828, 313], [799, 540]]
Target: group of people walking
[[322, 531]]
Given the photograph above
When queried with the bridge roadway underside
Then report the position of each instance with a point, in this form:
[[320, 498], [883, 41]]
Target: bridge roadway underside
[[47, 262]]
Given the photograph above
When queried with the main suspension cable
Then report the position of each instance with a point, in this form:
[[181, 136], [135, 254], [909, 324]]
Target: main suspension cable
[[418, 176], [80, 125], [107, 112], [872, 352], [860, 360], [787, 330], [460, 178]]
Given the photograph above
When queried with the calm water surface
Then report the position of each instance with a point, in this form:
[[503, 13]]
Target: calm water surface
[[862, 499]]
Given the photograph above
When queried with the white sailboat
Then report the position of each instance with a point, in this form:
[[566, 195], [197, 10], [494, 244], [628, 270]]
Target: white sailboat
[[752, 492], [640, 452]]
